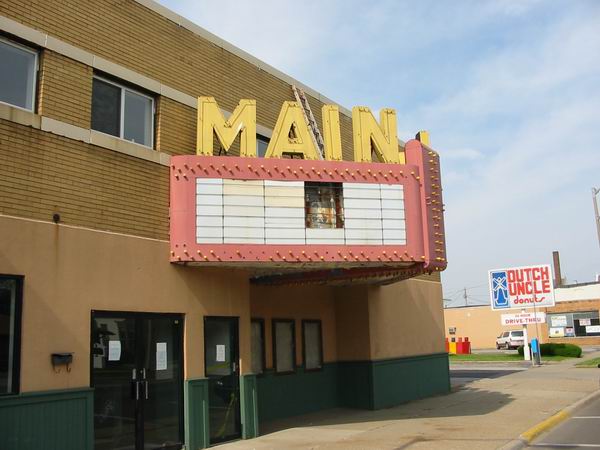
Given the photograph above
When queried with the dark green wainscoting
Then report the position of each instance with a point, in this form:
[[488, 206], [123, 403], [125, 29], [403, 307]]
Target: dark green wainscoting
[[356, 384], [50, 420], [249, 406], [300, 392], [196, 413], [400, 380]]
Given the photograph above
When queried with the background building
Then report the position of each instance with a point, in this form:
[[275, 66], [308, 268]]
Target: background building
[[133, 317], [574, 319]]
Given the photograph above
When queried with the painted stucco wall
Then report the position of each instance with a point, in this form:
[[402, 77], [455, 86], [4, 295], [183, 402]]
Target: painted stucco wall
[[406, 319], [70, 271], [298, 303], [352, 316]]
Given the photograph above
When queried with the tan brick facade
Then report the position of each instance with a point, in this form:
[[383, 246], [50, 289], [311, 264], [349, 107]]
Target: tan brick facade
[[46, 174], [175, 128], [65, 89], [42, 174]]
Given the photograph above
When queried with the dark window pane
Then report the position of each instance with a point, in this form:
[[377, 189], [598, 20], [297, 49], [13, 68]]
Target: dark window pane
[[17, 76], [261, 146], [106, 107], [137, 121], [8, 304], [257, 350], [312, 345], [284, 346]]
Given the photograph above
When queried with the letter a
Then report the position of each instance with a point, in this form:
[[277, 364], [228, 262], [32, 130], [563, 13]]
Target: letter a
[[291, 134], [211, 119]]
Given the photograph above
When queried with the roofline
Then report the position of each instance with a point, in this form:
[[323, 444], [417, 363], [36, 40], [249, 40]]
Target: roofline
[[216, 40], [213, 38]]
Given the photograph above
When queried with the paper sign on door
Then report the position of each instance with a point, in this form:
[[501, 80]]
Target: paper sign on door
[[114, 350], [220, 353], [161, 356]]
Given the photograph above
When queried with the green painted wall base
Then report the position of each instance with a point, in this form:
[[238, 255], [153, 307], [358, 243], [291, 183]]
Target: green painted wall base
[[196, 413], [249, 406], [284, 395], [64, 420], [397, 381], [356, 384], [52, 420]]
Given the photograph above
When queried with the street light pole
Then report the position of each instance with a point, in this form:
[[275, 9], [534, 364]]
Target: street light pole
[[595, 192]]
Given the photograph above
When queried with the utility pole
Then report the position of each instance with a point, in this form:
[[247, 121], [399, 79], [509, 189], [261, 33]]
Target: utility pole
[[466, 297], [595, 192]]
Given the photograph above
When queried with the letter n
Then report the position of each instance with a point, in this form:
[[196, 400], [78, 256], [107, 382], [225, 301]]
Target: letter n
[[211, 120], [369, 135]]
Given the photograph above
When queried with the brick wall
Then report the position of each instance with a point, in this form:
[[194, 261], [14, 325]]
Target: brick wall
[[42, 174], [175, 127], [65, 89], [129, 34], [91, 186]]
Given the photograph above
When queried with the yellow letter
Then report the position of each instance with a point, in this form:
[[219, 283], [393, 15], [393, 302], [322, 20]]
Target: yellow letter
[[369, 135], [423, 137], [331, 132], [242, 121], [291, 134]]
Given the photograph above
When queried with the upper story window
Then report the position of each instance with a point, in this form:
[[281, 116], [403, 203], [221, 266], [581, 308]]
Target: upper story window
[[324, 205], [261, 145], [18, 68], [122, 112], [11, 288]]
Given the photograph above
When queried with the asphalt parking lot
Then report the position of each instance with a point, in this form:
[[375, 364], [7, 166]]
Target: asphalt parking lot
[[582, 430], [463, 376]]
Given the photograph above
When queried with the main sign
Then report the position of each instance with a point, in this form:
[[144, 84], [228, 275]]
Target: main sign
[[521, 287], [291, 134]]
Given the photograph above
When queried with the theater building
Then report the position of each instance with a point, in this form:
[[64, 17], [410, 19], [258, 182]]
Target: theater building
[[184, 256]]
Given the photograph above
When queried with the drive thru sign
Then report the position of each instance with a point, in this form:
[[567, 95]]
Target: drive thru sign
[[523, 319], [521, 287]]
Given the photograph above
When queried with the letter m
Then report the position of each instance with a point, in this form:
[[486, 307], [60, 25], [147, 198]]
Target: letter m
[[211, 120]]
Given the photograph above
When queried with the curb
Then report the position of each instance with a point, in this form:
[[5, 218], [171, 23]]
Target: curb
[[529, 435]]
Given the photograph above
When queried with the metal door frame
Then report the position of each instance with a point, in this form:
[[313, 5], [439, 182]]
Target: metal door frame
[[236, 339], [138, 317]]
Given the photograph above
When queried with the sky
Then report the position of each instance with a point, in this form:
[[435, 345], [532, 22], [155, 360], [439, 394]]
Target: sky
[[509, 91]]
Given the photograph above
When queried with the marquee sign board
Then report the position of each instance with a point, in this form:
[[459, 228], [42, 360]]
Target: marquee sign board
[[314, 217], [521, 287]]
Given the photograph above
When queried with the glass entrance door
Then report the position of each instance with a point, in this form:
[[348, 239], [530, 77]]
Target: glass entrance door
[[136, 367], [221, 356]]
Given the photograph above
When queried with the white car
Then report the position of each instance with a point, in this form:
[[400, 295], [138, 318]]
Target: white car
[[510, 340]]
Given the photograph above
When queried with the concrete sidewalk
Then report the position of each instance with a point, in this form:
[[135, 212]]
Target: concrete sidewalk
[[485, 414]]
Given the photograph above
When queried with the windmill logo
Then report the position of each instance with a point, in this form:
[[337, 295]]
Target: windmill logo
[[500, 294]]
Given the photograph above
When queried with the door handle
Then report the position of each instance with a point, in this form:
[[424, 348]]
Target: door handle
[[145, 381], [137, 390]]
